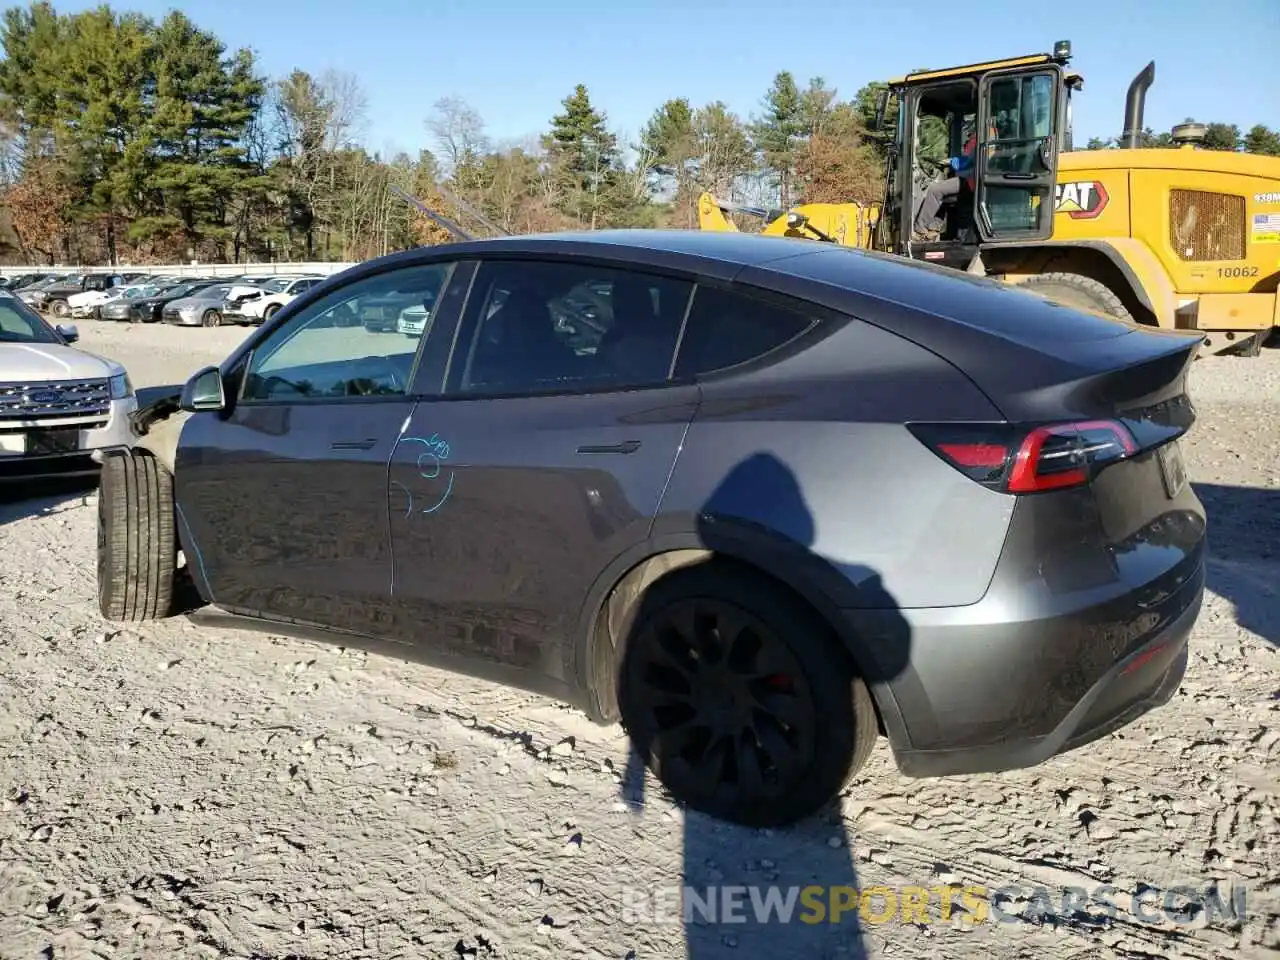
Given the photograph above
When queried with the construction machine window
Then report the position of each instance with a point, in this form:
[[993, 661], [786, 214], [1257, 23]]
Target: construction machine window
[[1018, 153]]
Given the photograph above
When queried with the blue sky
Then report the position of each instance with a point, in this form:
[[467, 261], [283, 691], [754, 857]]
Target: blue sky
[[514, 61]]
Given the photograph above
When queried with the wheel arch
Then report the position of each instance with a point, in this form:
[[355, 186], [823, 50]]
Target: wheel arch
[[1126, 266], [615, 594]]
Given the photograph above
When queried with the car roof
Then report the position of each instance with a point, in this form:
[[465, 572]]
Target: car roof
[[708, 247]]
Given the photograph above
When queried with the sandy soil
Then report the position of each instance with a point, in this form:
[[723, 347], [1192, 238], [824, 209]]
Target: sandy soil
[[175, 792]]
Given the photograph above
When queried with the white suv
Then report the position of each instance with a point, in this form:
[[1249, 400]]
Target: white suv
[[59, 407]]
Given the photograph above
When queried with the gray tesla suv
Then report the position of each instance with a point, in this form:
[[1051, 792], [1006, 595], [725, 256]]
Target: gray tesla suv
[[761, 500]]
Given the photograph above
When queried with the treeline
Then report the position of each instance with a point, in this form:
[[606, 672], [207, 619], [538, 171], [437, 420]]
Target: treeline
[[123, 139], [1218, 136]]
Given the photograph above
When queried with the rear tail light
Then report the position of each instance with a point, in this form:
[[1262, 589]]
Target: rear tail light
[[1023, 459]]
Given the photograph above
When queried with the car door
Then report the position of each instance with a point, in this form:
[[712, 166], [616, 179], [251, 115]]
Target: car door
[[285, 495], [542, 461]]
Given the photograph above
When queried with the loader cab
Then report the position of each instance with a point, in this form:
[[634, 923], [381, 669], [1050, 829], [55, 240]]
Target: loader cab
[[1016, 112]]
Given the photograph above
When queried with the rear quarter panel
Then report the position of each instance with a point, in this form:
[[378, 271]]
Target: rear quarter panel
[[805, 465]]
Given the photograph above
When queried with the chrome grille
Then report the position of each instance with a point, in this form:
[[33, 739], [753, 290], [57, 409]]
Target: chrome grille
[[54, 398]]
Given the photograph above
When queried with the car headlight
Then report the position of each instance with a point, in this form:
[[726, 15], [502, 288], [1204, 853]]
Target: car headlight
[[121, 388]]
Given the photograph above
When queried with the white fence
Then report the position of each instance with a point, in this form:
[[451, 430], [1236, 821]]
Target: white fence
[[191, 269]]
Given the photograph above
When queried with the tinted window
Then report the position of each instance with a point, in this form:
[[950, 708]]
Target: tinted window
[[346, 344], [551, 327], [726, 329]]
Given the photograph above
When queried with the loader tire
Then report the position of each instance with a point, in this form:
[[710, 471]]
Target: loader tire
[[1080, 292], [137, 544]]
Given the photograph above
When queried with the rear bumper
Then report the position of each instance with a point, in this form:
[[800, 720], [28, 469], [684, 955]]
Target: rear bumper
[[1145, 679], [1070, 643]]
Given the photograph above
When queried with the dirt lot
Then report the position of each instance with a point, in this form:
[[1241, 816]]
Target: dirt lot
[[174, 792]]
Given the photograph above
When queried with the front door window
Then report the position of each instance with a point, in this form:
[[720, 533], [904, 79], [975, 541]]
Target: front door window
[[348, 344]]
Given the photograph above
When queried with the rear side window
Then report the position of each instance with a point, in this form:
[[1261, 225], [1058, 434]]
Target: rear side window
[[553, 327], [726, 329]]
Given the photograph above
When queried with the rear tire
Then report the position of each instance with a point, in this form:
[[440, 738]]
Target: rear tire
[[765, 721], [1080, 292], [137, 544]]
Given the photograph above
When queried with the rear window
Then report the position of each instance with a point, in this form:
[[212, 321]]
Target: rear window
[[726, 329]]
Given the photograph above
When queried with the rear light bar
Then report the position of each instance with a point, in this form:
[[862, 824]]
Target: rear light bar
[[1029, 459]]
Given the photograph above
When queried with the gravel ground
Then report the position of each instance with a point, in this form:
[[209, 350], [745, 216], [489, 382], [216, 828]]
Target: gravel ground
[[178, 792]]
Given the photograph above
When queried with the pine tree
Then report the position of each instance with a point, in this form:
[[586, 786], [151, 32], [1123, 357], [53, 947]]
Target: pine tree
[[585, 159], [1262, 140], [777, 132]]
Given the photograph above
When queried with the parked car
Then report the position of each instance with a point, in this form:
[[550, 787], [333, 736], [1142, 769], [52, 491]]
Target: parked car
[[412, 320], [256, 306], [775, 496], [60, 407], [54, 298], [16, 283], [151, 309], [202, 308], [88, 305], [32, 292]]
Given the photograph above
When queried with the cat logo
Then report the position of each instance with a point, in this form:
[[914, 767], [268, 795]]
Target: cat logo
[[1081, 199]]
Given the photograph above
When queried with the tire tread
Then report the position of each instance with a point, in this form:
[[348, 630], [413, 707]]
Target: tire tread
[[137, 541], [1096, 290]]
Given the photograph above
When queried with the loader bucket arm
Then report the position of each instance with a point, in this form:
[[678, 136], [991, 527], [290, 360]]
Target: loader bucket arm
[[437, 219], [712, 215]]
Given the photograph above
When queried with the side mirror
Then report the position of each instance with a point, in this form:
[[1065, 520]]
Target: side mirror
[[68, 332], [882, 105], [204, 392]]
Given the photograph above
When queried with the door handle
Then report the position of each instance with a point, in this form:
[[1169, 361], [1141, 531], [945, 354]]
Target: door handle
[[626, 446], [353, 444]]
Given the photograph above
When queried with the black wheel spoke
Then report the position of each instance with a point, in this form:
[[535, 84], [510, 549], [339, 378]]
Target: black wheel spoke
[[721, 705], [743, 642], [782, 753], [772, 661], [785, 708], [750, 775]]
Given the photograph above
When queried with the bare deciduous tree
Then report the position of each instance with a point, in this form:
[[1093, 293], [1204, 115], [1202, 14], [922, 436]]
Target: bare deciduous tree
[[458, 131]]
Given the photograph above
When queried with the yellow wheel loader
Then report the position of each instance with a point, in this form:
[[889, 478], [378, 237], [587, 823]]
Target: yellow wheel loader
[[1174, 237]]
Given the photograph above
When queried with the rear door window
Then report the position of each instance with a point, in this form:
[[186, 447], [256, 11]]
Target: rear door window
[[726, 329], [550, 327]]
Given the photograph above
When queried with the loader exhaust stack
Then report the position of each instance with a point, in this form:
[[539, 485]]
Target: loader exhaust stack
[[1135, 101]]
